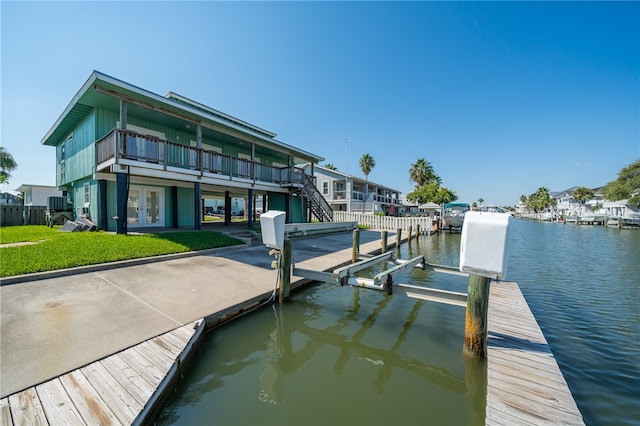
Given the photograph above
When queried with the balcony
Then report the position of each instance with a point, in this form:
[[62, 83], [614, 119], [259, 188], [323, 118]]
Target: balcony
[[120, 146]]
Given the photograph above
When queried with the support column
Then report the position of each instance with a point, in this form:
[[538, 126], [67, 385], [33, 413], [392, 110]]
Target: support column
[[227, 208], [287, 207], [197, 212], [250, 208], [174, 205], [122, 194], [475, 324], [264, 203], [103, 212]]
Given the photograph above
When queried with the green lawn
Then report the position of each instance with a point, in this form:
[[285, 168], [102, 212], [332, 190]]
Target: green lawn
[[57, 250]]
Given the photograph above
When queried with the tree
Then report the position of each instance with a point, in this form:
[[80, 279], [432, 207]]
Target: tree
[[366, 164], [421, 172], [7, 164], [432, 192], [480, 200], [582, 194], [330, 166], [540, 200], [523, 199], [626, 186]]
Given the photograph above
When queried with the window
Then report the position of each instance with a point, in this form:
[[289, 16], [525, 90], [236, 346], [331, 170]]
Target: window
[[325, 188], [87, 194]]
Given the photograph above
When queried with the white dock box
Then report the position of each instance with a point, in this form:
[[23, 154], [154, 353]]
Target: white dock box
[[272, 226], [484, 244]]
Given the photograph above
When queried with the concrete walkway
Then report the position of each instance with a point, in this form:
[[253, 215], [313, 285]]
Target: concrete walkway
[[51, 326]]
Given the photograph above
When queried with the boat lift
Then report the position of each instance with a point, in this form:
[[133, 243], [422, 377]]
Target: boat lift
[[383, 281]]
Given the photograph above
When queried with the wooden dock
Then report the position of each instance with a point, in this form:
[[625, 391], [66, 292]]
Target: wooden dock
[[120, 389], [525, 385]]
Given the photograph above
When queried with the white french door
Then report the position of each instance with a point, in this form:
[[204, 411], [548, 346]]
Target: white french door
[[145, 207]]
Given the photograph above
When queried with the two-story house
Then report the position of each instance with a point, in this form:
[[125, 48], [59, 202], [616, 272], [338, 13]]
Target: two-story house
[[131, 158], [345, 192]]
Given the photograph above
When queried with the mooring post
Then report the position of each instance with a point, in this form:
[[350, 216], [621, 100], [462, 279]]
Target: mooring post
[[417, 231], [355, 249], [475, 324], [284, 284], [384, 242], [398, 238], [410, 234]]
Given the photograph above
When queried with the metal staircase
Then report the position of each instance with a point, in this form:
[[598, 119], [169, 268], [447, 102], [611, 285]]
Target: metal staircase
[[315, 201]]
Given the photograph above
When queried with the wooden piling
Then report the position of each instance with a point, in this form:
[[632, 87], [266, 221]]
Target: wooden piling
[[355, 248], [475, 324], [410, 234], [417, 231], [384, 242], [284, 284], [398, 238]]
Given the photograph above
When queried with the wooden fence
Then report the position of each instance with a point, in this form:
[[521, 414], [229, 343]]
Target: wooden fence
[[13, 215], [390, 223]]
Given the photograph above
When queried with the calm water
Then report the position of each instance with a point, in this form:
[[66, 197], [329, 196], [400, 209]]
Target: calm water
[[341, 355]]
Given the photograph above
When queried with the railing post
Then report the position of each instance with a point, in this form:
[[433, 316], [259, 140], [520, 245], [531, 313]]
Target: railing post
[[475, 324], [355, 248], [284, 284]]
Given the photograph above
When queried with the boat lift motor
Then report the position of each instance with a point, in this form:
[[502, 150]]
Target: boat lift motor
[[272, 227], [484, 244]]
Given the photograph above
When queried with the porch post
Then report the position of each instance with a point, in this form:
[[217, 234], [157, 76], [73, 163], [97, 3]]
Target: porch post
[[287, 207], [103, 221], [250, 208], [196, 200], [123, 114], [227, 208], [264, 203], [174, 205], [122, 194]]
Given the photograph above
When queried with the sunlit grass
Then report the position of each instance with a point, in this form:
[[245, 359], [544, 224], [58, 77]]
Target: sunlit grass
[[57, 250]]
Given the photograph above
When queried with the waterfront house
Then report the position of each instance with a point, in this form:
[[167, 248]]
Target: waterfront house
[[130, 158], [345, 192]]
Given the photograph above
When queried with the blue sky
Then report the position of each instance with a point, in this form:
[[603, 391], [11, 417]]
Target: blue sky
[[501, 98]]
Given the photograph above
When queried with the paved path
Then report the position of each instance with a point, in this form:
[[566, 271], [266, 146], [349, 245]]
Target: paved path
[[54, 325]]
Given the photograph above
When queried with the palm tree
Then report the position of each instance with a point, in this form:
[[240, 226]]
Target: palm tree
[[366, 164], [7, 164], [582, 194], [421, 172], [330, 166], [480, 200]]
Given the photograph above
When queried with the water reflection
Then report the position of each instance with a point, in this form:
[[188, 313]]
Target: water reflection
[[353, 349]]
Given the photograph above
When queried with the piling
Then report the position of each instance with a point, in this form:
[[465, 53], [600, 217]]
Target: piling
[[410, 234], [355, 247], [284, 284], [417, 231], [398, 238], [475, 324], [384, 242]]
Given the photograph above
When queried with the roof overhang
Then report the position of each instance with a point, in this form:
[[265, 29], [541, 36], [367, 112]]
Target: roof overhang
[[100, 87]]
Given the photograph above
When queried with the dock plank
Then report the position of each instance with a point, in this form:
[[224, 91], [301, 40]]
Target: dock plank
[[5, 412], [90, 405], [128, 378], [26, 408], [115, 396], [145, 368], [57, 404], [525, 385]]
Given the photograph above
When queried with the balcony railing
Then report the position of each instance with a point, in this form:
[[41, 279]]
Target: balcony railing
[[124, 144]]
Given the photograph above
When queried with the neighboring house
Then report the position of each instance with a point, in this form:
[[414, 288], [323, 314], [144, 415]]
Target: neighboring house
[[565, 204], [37, 195], [131, 158], [345, 192], [6, 198]]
